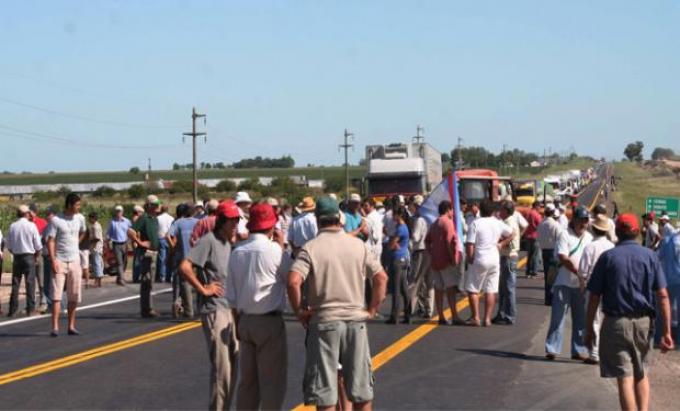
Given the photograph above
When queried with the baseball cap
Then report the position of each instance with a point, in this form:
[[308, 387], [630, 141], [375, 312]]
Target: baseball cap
[[272, 201], [151, 199], [651, 216], [355, 198], [327, 207], [664, 217], [418, 200], [581, 213], [23, 209], [242, 197], [628, 224], [228, 209], [118, 208], [262, 217], [212, 205]]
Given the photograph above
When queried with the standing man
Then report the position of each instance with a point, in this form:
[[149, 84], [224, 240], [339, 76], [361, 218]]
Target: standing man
[[374, 223], [23, 241], [41, 224], [138, 253], [665, 226], [652, 236], [96, 248], [179, 238], [256, 293], [303, 228], [548, 232], [243, 201], [627, 279], [445, 269], [669, 255], [64, 234], [164, 222], [507, 307], [335, 265], [117, 234], [591, 253], [211, 254], [421, 291], [144, 234], [206, 224], [569, 287], [486, 235], [530, 236], [354, 222]]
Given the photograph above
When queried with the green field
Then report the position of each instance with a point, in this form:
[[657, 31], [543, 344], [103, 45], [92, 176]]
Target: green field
[[635, 184], [124, 176]]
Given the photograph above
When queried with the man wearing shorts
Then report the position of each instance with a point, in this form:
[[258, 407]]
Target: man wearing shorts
[[486, 235], [445, 272], [64, 234], [335, 266], [631, 284]]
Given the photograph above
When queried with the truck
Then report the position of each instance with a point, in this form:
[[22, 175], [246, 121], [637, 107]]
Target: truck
[[480, 184], [527, 192], [401, 169]]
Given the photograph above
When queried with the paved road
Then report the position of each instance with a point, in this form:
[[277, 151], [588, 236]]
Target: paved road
[[111, 367]]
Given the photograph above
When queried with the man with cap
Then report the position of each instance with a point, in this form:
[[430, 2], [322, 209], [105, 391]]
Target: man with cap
[[561, 216], [64, 233], [303, 228], [137, 212], [212, 254], [599, 210], [665, 226], [354, 222], [144, 234], [23, 241], [256, 292], [117, 234], [630, 283], [41, 224], [421, 291], [335, 265], [179, 238], [207, 223], [568, 288], [243, 201], [548, 232], [591, 253], [652, 236], [164, 222]]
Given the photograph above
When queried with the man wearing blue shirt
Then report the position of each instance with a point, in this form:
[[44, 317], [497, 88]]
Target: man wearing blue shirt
[[669, 255], [179, 237], [628, 278], [354, 222], [117, 233]]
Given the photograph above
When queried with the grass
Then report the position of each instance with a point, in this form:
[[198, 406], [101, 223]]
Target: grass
[[124, 176], [635, 184]]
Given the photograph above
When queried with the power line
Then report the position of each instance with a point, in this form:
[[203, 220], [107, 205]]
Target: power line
[[83, 118]]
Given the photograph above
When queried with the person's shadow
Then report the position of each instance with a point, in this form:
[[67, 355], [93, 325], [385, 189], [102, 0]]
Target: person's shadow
[[512, 355]]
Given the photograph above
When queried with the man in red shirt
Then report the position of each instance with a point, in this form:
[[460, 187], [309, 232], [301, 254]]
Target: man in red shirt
[[534, 218], [41, 224], [445, 270]]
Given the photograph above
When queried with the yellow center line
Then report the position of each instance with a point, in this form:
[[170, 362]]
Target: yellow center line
[[94, 353]]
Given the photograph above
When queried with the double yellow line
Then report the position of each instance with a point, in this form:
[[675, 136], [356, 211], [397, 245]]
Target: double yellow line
[[94, 353]]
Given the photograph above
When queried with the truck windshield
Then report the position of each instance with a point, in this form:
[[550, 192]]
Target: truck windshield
[[400, 185], [475, 190], [524, 192]]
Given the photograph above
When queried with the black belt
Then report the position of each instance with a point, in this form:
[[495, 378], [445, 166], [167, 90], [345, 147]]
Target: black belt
[[119, 242], [275, 313]]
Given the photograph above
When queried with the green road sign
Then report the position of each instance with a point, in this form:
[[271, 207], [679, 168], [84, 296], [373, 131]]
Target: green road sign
[[659, 204]]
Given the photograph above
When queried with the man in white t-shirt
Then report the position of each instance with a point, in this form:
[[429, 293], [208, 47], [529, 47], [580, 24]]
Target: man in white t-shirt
[[652, 236], [486, 235], [568, 288], [164, 222]]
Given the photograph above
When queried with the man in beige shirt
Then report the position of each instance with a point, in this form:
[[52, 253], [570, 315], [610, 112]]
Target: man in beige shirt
[[335, 266]]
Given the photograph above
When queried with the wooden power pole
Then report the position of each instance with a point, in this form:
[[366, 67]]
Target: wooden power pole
[[194, 134], [346, 147]]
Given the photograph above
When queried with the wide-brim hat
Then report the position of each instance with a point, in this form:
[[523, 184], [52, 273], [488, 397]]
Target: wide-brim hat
[[307, 204], [601, 223]]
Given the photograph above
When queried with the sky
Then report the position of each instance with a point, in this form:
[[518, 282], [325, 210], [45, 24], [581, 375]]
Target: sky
[[105, 85]]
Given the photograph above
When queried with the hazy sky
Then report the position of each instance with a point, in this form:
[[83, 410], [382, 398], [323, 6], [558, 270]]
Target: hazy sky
[[286, 77]]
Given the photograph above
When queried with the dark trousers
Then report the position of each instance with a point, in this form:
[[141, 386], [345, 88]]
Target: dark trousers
[[120, 251], [533, 255], [548, 260], [147, 272], [181, 293], [400, 268], [23, 266]]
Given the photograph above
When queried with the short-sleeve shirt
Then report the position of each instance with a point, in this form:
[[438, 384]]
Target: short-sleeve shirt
[[181, 229], [441, 240], [96, 237], [651, 234], [147, 227], [352, 221], [534, 219], [485, 233], [627, 278], [669, 254], [66, 232], [571, 245], [212, 255], [403, 240], [335, 266]]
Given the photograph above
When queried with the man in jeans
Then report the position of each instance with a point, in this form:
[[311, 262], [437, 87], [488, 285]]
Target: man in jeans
[[507, 307], [144, 233], [164, 222], [335, 266], [211, 254], [530, 236], [41, 224], [64, 235], [117, 233], [23, 241], [548, 231]]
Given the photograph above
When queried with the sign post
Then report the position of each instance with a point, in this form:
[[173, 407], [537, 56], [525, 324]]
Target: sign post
[[668, 204]]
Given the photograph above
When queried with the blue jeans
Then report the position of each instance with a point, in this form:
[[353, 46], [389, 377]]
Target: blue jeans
[[548, 260], [565, 298], [533, 257], [162, 272], [97, 264], [674, 297], [136, 267], [507, 306]]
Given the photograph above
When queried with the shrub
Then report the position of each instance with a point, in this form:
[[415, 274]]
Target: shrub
[[104, 191], [225, 186], [136, 191]]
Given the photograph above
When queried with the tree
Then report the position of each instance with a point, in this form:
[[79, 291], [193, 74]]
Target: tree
[[176, 166], [136, 191], [134, 170], [661, 153], [225, 186], [104, 191], [633, 151]]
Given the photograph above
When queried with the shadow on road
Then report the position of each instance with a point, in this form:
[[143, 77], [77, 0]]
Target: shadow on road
[[513, 355]]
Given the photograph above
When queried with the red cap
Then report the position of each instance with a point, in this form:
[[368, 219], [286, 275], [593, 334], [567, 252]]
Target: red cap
[[628, 224], [229, 209], [651, 216], [262, 217]]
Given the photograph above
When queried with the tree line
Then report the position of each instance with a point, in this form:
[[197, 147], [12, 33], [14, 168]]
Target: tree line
[[257, 162]]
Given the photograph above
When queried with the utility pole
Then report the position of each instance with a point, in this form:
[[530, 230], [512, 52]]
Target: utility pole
[[346, 147], [194, 134], [459, 146], [503, 159], [419, 138]]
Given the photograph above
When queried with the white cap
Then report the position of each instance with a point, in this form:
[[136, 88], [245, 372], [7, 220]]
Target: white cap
[[272, 201], [23, 209], [355, 198], [333, 196], [212, 204], [242, 197], [664, 217], [418, 200], [118, 208], [139, 209], [153, 200], [550, 207], [557, 213]]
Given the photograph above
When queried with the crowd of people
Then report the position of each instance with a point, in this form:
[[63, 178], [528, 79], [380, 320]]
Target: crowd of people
[[330, 263]]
